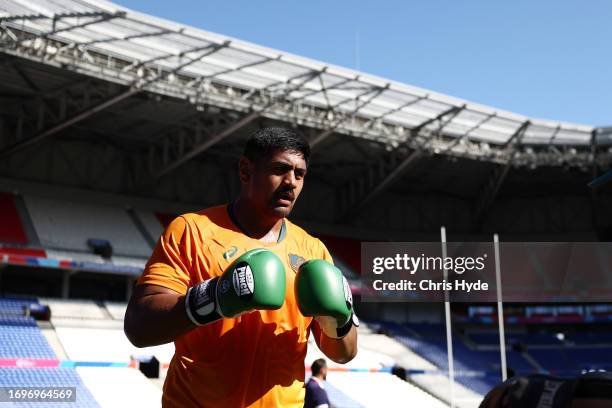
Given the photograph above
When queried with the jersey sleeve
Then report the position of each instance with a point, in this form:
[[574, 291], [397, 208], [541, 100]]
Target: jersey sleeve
[[170, 264]]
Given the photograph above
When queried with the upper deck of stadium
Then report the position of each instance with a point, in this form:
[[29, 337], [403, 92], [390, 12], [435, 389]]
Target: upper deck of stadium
[[103, 40]]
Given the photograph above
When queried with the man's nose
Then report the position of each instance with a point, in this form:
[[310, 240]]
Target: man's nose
[[290, 179]]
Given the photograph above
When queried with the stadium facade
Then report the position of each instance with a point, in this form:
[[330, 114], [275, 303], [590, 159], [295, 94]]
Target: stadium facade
[[109, 99]]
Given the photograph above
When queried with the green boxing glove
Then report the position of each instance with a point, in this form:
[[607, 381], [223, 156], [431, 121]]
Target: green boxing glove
[[254, 281], [323, 292]]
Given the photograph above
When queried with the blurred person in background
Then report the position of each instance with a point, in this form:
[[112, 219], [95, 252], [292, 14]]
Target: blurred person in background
[[316, 396]]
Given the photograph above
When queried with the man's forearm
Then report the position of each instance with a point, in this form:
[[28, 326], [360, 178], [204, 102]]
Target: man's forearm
[[154, 319], [340, 350]]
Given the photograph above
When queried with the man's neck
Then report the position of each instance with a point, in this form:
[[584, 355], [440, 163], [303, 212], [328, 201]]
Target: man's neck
[[254, 224]]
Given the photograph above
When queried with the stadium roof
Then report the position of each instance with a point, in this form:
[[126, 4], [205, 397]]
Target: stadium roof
[[101, 39]]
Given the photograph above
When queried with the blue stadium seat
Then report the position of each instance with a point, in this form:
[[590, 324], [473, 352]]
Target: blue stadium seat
[[20, 337], [586, 358], [481, 367], [15, 305], [24, 341], [599, 337], [553, 359]]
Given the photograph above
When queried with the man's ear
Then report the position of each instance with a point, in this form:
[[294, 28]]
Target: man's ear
[[244, 169]]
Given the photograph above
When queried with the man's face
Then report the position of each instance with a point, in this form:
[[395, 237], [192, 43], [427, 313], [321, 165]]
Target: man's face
[[324, 372], [274, 183]]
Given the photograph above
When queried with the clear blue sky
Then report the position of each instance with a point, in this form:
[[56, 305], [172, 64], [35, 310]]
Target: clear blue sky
[[542, 58]]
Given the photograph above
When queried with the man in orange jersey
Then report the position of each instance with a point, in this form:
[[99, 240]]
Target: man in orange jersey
[[213, 285]]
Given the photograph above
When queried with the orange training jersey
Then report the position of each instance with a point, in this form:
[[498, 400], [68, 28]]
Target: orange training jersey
[[254, 360]]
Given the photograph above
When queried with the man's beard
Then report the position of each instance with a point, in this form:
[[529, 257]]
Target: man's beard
[[281, 212]]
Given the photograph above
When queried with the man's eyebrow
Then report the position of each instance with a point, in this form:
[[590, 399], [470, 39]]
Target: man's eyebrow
[[286, 164], [283, 162]]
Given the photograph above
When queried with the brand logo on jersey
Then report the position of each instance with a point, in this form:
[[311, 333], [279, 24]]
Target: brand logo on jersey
[[295, 261], [230, 252], [243, 280]]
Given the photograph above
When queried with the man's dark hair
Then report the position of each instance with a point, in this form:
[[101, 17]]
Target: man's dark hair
[[317, 365], [266, 141]]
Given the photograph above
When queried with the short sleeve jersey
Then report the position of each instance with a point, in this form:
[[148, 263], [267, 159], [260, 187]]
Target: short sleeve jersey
[[254, 360]]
